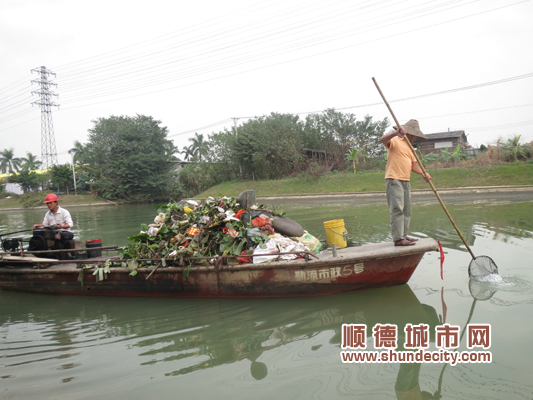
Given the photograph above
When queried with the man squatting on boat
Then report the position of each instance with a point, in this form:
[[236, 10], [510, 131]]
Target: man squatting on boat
[[401, 161], [56, 216]]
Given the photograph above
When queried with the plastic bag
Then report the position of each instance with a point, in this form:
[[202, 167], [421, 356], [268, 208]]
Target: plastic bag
[[269, 249], [308, 240]]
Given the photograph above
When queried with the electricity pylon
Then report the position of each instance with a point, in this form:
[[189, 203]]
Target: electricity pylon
[[48, 141]]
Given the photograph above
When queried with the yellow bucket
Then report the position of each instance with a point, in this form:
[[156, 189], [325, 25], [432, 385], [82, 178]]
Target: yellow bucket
[[336, 233]]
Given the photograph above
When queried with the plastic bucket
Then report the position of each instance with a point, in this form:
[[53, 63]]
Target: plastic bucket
[[93, 243], [336, 232]]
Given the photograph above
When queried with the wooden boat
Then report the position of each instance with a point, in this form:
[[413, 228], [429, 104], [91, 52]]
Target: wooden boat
[[348, 269]]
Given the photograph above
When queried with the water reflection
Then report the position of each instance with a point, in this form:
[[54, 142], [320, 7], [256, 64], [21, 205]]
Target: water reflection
[[179, 338]]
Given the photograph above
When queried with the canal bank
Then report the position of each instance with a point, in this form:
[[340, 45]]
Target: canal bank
[[498, 193], [519, 193]]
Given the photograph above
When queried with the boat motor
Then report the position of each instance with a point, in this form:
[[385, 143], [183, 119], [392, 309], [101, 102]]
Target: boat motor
[[11, 244], [48, 238]]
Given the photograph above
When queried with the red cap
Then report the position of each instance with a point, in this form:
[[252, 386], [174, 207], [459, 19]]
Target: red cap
[[50, 197]]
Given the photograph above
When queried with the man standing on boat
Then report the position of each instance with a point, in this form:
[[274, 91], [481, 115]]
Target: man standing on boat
[[401, 161], [57, 216]]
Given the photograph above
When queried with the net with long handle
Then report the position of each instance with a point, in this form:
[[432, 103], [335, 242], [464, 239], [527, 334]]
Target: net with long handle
[[481, 267]]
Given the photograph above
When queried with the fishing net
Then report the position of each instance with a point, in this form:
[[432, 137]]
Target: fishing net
[[481, 267]]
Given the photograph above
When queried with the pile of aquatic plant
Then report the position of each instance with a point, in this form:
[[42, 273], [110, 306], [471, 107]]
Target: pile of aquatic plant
[[197, 231]]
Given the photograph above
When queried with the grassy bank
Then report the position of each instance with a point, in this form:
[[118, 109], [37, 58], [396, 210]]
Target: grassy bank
[[64, 200], [500, 175]]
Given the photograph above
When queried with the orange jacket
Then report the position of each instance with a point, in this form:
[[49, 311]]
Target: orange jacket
[[400, 160]]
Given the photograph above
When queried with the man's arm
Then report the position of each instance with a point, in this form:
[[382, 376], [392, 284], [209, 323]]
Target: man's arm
[[416, 169], [67, 220], [43, 224], [386, 138]]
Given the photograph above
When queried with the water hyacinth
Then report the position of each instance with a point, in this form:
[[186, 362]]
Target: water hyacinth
[[194, 231]]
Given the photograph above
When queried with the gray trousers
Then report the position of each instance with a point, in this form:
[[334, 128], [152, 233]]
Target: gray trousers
[[399, 201]]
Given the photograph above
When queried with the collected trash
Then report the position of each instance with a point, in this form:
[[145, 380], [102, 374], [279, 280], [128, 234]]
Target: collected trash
[[197, 231]]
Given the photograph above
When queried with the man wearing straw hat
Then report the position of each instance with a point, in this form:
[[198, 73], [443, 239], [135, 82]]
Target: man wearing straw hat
[[401, 161]]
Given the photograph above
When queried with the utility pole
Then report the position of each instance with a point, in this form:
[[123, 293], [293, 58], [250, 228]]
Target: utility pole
[[240, 166], [48, 141], [74, 174]]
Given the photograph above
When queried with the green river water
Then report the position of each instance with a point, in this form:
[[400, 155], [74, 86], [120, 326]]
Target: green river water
[[81, 347]]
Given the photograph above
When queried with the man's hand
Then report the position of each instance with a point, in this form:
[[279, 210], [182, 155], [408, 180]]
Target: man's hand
[[427, 177], [401, 132], [386, 138]]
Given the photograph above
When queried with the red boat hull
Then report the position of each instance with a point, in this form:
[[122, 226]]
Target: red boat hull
[[357, 268]]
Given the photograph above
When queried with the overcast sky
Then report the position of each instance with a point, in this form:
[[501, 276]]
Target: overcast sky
[[453, 65]]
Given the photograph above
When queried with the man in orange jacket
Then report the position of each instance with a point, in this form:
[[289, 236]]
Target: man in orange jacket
[[401, 161]]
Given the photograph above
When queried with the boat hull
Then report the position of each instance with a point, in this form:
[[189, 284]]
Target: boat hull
[[354, 268]]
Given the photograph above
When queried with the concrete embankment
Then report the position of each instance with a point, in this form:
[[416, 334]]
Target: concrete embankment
[[485, 193]]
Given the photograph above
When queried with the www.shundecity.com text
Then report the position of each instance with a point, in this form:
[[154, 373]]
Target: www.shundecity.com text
[[416, 344], [421, 356]]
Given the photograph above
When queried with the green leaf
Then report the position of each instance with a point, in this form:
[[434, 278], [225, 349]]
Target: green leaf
[[139, 237], [163, 208], [238, 250], [133, 273], [81, 275], [144, 227]]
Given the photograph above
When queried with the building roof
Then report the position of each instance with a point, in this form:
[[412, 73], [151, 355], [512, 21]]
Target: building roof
[[445, 135]]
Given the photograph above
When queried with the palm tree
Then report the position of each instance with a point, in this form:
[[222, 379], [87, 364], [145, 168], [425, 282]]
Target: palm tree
[[199, 146], [8, 161], [77, 151], [30, 162], [187, 152]]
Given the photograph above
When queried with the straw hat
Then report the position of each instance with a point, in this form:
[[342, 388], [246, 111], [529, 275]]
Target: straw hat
[[412, 128]]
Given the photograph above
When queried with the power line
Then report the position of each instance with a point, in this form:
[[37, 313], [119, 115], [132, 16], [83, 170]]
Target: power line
[[294, 43], [165, 79], [296, 35]]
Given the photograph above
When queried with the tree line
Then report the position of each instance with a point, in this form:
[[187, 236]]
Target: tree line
[[26, 172], [131, 158], [281, 145]]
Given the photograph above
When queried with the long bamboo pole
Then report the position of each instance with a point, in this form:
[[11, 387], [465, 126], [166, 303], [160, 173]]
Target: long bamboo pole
[[77, 249], [424, 171]]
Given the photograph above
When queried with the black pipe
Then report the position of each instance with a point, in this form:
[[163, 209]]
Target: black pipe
[[12, 233], [27, 230]]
